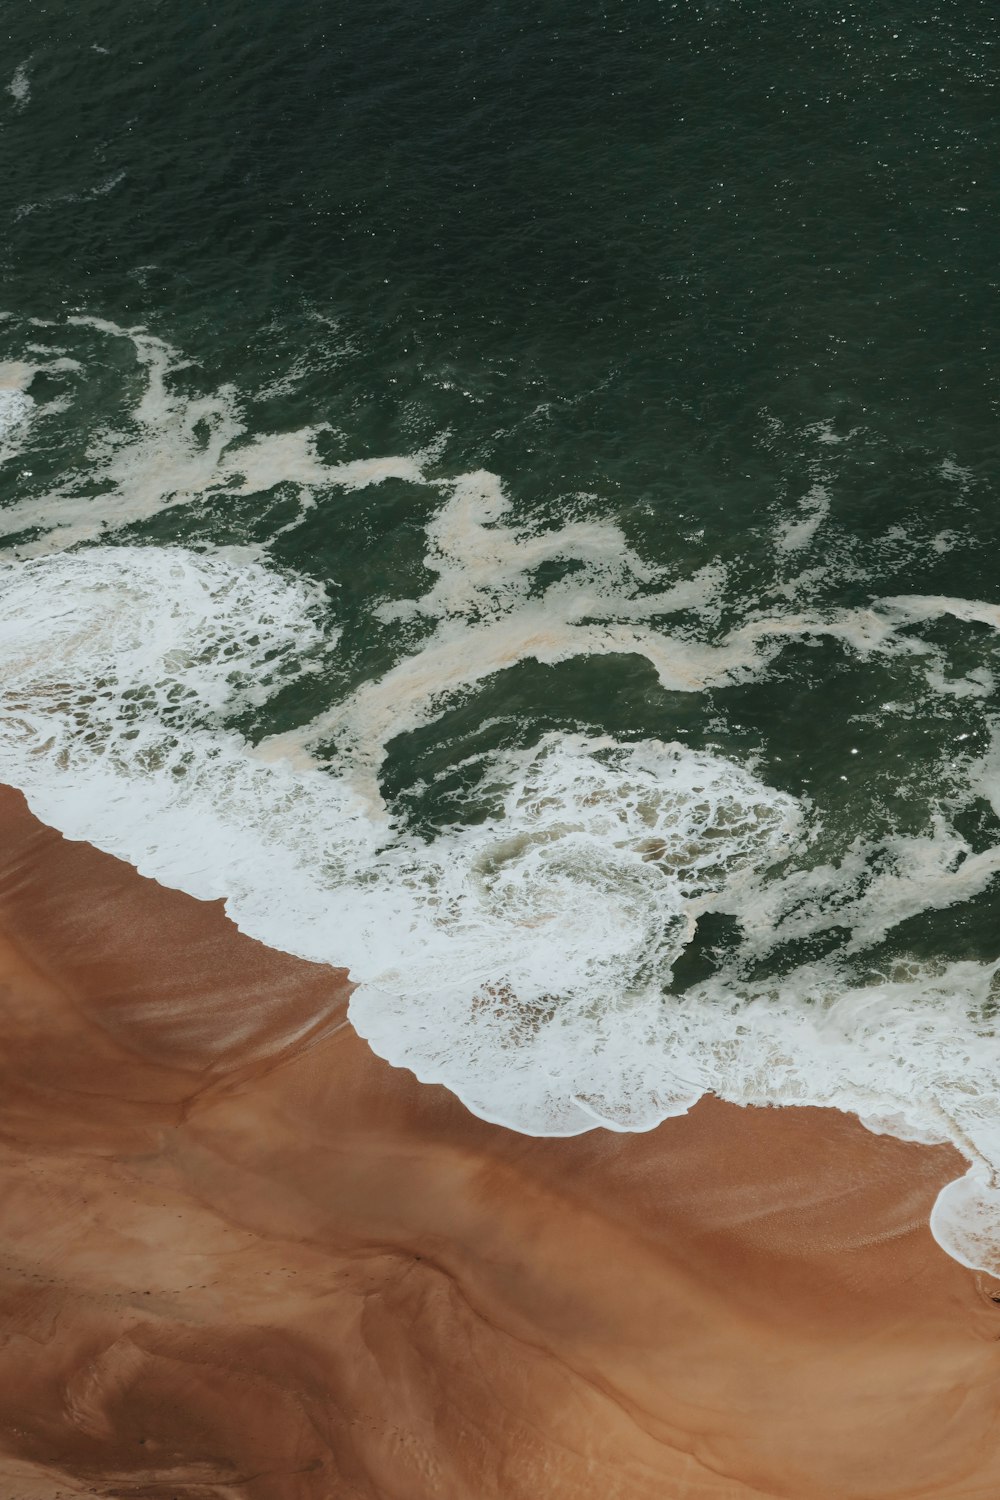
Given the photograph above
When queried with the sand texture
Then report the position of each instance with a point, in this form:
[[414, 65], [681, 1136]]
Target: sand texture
[[242, 1257]]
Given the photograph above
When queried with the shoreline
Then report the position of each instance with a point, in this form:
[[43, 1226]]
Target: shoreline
[[244, 1252]]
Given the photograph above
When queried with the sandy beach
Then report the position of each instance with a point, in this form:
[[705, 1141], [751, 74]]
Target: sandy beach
[[241, 1256]]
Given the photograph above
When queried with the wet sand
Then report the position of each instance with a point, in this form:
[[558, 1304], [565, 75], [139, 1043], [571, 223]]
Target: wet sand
[[242, 1257]]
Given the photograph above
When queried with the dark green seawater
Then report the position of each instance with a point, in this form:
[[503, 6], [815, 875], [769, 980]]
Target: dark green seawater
[[600, 246], [706, 271]]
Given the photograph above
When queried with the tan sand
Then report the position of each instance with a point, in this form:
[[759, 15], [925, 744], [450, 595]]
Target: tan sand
[[240, 1256]]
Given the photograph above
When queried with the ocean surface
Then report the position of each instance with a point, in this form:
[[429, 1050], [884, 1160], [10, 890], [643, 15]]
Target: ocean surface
[[506, 495]]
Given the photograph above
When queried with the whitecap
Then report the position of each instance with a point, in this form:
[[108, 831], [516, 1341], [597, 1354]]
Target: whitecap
[[19, 87]]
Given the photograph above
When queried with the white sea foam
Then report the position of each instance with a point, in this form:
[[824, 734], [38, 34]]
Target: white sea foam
[[965, 1217], [173, 449], [16, 406], [957, 473], [487, 619], [520, 959], [522, 956], [99, 189], [552, 923], [796, 533], [18, 409], [19, 87]]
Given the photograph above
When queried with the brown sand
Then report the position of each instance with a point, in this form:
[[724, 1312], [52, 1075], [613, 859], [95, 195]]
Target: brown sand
[[240, 1256]]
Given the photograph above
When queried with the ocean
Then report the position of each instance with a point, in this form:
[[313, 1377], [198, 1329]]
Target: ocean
[[506, 496]]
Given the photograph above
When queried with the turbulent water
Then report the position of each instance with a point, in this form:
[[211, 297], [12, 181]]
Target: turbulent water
[[507, 498]]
